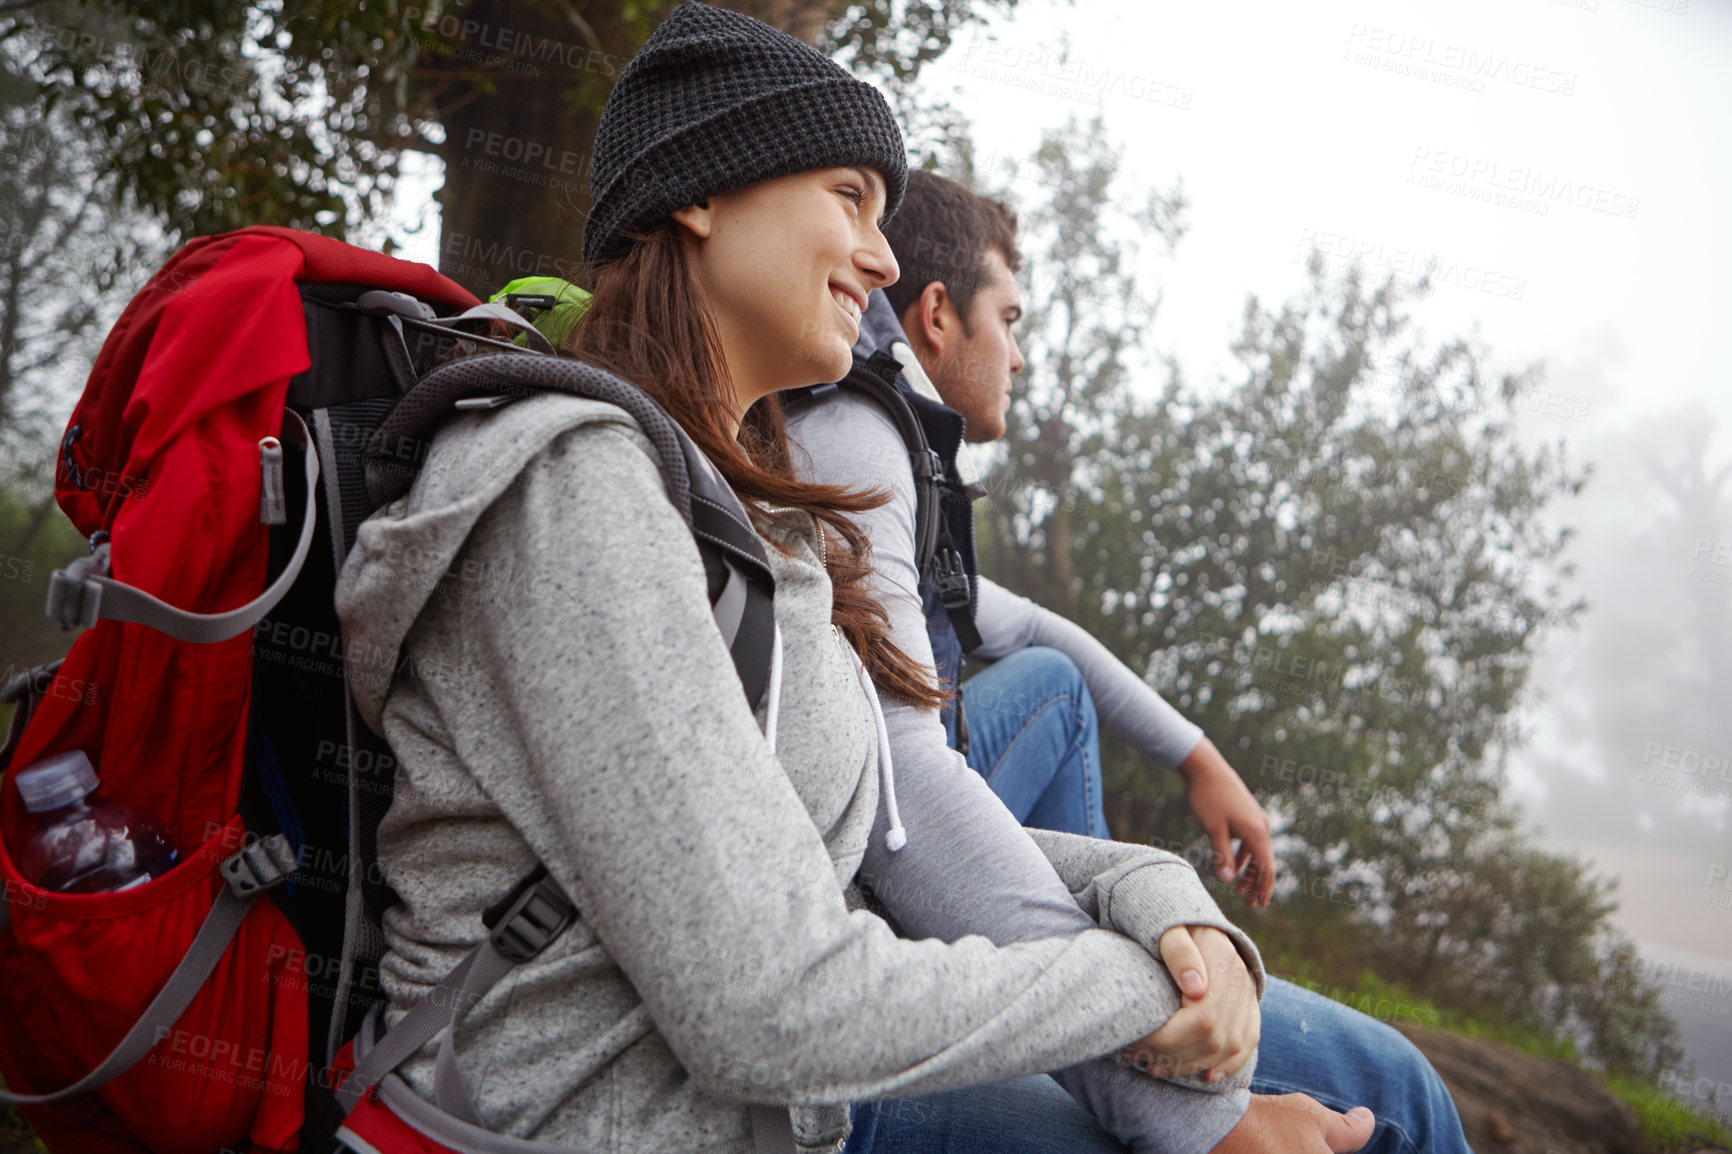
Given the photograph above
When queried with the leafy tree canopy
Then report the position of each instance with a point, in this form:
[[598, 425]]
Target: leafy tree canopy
[[1340, 565], [214, 115]]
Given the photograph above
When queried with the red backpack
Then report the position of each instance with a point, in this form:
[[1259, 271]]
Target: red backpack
[[264, 393]]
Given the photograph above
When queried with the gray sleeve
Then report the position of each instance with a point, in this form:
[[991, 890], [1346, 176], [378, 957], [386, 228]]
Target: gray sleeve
[[636, 771], [1129, 708], [969, 867]]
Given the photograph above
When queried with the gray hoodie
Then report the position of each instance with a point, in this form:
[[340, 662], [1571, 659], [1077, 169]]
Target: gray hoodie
[[530, 630]]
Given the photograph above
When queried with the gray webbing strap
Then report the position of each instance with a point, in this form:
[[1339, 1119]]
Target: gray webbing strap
[[730, 607], [82, 593], [535, 913], [497, 311], [250, 872], [402, 306], [428, 1120], [772, 1130], [451, 1118], [353, 901], [449, 1092], [24, 692], [419, 1025], [771, 1134]]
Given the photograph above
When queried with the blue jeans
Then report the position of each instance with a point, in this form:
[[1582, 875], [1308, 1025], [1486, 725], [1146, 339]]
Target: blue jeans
[[1309, 1044], [1031, 708], [1032, 734]]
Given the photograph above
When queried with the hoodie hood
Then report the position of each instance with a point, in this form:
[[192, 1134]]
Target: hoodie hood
[[879, 328], [403, 554]]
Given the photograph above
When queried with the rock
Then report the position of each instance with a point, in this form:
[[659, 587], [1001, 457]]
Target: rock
[[1511, 1103]]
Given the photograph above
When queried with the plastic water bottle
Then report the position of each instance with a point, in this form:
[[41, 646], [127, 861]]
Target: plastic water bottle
[[83, 843]]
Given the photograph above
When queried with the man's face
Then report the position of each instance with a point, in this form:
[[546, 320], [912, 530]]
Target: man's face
[[973, 366]]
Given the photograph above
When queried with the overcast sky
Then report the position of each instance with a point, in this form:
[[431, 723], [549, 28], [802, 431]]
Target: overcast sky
[[1568, 165]]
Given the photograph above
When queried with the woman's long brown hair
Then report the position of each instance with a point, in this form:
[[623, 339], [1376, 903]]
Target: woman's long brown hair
[[649, 323]]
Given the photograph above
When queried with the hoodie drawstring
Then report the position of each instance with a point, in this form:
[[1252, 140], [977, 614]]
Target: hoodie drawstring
[[898, 836], [773, 695]]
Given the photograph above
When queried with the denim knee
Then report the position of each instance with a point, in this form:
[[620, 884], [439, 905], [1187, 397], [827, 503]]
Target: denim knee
[[1023, 683], [1056, 675]]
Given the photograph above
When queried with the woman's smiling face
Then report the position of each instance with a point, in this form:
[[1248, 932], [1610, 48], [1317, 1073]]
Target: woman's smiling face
[[786, 265]]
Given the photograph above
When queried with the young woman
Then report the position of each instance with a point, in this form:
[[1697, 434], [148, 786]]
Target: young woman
[[560, 693]]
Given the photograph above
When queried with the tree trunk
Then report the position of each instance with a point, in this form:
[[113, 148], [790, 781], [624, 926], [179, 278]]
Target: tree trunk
[[517, 158], [516, 189]]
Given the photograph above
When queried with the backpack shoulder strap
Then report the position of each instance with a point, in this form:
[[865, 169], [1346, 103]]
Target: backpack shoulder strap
[[874, 377], [742, 588]]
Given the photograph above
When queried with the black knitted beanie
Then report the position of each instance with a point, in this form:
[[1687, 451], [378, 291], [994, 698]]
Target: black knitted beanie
[[716, 100]]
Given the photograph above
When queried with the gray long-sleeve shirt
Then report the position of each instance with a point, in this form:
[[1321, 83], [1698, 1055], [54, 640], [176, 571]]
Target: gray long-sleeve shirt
[[530, 628], [998, 883], [1128, 706]]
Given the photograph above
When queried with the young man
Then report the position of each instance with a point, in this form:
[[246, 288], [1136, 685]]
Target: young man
[[1028, 723]]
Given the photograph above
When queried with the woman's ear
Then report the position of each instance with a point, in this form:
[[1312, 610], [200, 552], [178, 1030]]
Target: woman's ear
[[697, 219]]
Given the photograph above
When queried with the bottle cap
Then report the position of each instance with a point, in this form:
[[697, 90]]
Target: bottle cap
[[55, 781]]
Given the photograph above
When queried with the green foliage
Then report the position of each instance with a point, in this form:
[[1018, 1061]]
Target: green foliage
[[65, 253], [68, 258], [35, 539], [15, 1135], [1339, 565], [219, 115], [1669, 1123], [196, 125], [214, 115], [1395, 1003], [892, 40]]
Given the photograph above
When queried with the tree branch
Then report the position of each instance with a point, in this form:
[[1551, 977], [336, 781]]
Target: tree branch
[[583, 26]]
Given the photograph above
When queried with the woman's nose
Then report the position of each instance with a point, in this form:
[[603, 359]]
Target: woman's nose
[[878, 262]]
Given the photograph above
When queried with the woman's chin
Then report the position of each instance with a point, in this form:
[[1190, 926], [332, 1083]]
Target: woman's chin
[[824, 361]]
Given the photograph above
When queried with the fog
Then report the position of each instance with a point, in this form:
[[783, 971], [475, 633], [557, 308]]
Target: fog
[[1568, 167]]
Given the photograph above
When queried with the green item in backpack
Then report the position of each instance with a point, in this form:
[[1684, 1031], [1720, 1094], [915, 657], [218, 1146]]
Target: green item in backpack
[[552, 305]]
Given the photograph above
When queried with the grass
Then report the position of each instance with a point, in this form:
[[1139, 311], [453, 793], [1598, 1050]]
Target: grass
[[1389, 1002], [1671, 1125]]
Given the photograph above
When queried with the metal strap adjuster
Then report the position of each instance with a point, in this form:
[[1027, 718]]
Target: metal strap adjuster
[[259, 867], [530, 923]]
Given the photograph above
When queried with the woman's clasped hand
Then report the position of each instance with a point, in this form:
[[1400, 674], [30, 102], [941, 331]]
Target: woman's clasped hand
[[1216, 1028]]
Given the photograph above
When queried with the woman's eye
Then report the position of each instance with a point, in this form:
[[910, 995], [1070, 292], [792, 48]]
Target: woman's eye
[[854, 194]]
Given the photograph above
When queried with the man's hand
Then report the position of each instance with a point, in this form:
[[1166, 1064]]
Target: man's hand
[[1296, 1124], [1227, 810], [1217, 1026]]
